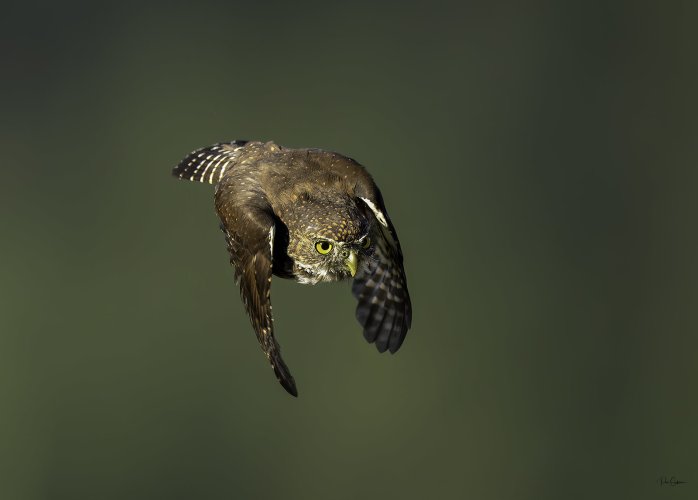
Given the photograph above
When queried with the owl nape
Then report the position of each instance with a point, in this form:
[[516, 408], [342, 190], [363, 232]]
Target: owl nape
[[311, 216]]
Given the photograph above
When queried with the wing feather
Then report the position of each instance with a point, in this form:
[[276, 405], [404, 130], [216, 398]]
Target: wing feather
[[384, 307], [210, 163], [249, 232]]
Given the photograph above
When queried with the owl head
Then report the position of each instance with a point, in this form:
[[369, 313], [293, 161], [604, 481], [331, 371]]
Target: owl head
[[329, 239]]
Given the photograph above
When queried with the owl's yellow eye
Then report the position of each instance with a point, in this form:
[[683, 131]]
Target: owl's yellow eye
[[323, 247], [366, 243]]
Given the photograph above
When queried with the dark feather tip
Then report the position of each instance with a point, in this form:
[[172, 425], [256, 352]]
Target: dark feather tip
[[285, 379], [290, 388]]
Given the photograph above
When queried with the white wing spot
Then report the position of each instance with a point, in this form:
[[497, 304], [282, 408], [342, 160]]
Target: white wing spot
[[203, 174], [379, 215], [215, 167], [225, 165], [271, 241]]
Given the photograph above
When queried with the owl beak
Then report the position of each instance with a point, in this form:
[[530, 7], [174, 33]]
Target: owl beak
[[352, 263]]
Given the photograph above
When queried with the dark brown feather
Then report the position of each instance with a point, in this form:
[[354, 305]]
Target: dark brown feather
[[248, 230]]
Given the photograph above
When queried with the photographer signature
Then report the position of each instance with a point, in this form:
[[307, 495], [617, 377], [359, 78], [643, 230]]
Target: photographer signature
[[673, 481]]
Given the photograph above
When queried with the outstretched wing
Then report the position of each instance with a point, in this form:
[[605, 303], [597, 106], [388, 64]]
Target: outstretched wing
[[210, 163], [249, 231], [384, 309]]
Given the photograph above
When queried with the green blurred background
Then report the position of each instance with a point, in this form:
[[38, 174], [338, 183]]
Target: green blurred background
[[539, 160]]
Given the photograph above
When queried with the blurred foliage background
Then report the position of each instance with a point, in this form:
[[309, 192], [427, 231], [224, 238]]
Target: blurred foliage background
[[538, 159]]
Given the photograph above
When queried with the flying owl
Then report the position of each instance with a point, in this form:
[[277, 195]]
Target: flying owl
[[312, 216]]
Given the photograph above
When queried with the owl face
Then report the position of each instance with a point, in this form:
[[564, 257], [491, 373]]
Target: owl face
[[319, 259], [329, 238]]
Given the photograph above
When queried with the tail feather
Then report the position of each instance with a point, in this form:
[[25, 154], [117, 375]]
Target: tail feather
[[210, 163]]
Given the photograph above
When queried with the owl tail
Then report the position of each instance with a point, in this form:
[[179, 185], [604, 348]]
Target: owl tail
[[210, 163]]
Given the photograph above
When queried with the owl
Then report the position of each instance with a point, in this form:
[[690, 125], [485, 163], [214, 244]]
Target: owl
[[311, 216]]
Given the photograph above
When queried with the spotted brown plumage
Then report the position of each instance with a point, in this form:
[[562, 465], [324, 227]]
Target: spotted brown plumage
[[308, 215]]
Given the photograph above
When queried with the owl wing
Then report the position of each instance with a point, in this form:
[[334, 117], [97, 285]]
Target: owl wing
[[384, 308], [208, 164], [249, 231]]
